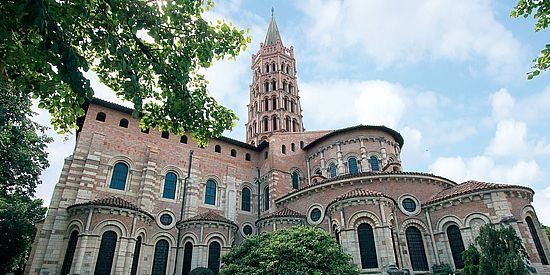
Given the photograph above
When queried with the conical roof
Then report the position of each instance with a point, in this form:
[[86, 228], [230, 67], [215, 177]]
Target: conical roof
[[272, 32]]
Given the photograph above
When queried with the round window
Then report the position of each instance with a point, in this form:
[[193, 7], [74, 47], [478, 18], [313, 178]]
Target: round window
[[247, 230], [166, 219], [409, 204], [315, 215]]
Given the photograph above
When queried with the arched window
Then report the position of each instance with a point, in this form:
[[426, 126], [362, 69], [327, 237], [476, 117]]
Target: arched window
[[295, 180], [210, 192], [100, 116], [367, 247], [135, 260], [417, 253], [266, 104], [336, 233], [214, 251], [183, 139], [287, 121], [106, 253], [274, 122], [274, 103], [292, 147], [536, 240], [301, 144], [290, 88], [266, 124], [292, 106], [374, 165], [295, 125], [332, 170], [318, 172], [273, 85], [352, 166], [160, 258], [266, 198], [187, 258], [273, 67], [123, 123], [118, 179], [457, 245], [69, 253], [266, 87], [234, 153], [267, 68], [247, 157], [245, 200], [217, 149], [285, 104], [170, 186], [283, 149], [165, 134]]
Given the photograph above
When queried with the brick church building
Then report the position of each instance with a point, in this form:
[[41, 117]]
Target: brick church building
[[132, 201]]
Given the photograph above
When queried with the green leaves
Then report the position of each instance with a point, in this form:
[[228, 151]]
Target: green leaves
[[541, 10], [48, 44], [295, 250]]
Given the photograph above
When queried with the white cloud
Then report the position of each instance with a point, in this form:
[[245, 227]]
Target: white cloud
[[509, 139], [541, 202], [416, 31], [502, 104], [485, 168]]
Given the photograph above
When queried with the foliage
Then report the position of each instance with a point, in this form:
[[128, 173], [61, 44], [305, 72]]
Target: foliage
[[18, 214], [22, 158], [149, 52], [201, 271], [294, 250], [541, 13], [500, 252], [442, 269], [547, 230]]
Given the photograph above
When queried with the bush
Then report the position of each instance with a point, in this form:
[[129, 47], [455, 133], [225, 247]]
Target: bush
[[201, 271], [442, 269]]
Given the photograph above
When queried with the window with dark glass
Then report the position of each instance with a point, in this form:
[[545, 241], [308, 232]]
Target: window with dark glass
[[374, 166], [456, 244], [332, 170], [69, 253], [247, 157], [417, 253], [409, 204], [274, 122], [106, 253], [352, 166], [248, 230], [266, 87], [266, 104], [118, 179], [274, 103], [283, 149], [266, 124], [367, 247], [245, 203], [217, 149], [292, 147], [187, 258], [170, 186], [336, 233], [214, 251], [166, 219], [301, 144], [233, 153], [160, 259], [183, 139], [210, 193], [536, 240], [315, 215], [273, 67], [266, 198], [266, 154], [165, 134], [135, 259], [123, 123], [100, 116], [295, 180]]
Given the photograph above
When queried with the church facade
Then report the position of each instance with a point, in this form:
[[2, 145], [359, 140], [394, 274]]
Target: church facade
[[133, 201]]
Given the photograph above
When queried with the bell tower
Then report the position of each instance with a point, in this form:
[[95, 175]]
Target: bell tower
[[274, 104]]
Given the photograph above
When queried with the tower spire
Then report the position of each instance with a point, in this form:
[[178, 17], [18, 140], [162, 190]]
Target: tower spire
[[273, 31]]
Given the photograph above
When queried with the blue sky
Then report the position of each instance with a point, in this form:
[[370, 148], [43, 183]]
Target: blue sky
[[450, 76]]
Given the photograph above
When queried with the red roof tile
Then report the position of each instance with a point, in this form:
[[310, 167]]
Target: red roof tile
[[467, 187], [209, 215], [114, 202], [283, 213], [359, 192]]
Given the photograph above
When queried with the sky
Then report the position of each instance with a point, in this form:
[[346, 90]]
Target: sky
[[450, 76]]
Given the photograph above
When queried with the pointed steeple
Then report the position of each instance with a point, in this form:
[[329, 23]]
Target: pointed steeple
[[272, 32]]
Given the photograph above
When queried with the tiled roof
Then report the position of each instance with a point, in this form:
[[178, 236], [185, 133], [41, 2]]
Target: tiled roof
[[209, 216], [359, 192], [396, 135], [283, 213], [114, 202], [467, 187]]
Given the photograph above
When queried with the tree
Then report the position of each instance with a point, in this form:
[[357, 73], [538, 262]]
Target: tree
[[149, 52], [541, 10], [22, 159], [294, 250], [498, 251]]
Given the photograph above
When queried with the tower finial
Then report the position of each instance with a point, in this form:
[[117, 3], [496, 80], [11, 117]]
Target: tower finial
[[272, 11]]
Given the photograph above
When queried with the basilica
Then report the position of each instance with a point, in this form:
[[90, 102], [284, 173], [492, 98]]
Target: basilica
[[134, 201]]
